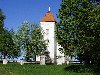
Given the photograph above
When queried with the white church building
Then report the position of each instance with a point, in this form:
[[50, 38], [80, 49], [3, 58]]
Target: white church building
[[47, 23]]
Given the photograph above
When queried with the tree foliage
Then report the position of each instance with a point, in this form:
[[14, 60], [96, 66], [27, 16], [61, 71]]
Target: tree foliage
[[79, 29], [7, 45], [35, 45], [2, 17], [16, 46], [23, 33], [31, 39], [8, 48]]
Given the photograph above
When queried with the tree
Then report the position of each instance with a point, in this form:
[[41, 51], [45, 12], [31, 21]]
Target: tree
[[65, 28], [16, 46], [88, 36], [78, 29], [2, 17], [23, 35], [31, 39], [7, 45], [35, 45]]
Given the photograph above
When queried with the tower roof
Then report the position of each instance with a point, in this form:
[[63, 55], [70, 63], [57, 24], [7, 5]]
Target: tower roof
[[48, 17]]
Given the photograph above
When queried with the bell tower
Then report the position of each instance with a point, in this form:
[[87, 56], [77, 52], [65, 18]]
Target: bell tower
[[48, 25]]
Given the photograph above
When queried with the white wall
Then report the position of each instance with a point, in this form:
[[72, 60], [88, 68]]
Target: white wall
[[51, 37], [52, 44], [62, 59]]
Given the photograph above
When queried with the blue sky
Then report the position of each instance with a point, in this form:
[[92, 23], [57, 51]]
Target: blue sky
[[17, 11]]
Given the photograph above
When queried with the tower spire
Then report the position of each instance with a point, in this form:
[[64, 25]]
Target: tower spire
[[49, 8]]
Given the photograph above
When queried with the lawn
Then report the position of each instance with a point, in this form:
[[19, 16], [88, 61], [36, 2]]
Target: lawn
[[36, 69]]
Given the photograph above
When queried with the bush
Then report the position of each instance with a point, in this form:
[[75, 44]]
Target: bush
[[83, 68]]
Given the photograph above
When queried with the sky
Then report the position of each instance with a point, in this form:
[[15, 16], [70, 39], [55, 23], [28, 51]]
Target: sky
[[18, 11]]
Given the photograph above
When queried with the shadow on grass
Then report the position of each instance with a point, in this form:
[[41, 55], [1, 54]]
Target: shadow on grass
[[94, 69]]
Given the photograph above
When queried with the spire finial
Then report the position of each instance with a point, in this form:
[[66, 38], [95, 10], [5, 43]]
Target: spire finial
[[49, 8]]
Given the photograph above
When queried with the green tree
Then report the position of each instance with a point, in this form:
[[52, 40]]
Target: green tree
[[23, 35], [78, 29], [2, 17], [88, 36], [35, 45], [65, 28], [7, 45], [31, 39], [16, 47]]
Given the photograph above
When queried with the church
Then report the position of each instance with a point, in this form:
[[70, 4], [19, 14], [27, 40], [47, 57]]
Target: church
[[47, 24]]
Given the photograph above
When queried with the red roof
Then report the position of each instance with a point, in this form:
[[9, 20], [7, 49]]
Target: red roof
[[48, 17]]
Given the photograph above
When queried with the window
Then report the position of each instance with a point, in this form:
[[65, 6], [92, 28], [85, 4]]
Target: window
[[47, 31], [47, 41]]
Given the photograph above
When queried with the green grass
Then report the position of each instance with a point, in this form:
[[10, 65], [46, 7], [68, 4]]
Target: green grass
[[36, 69]]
